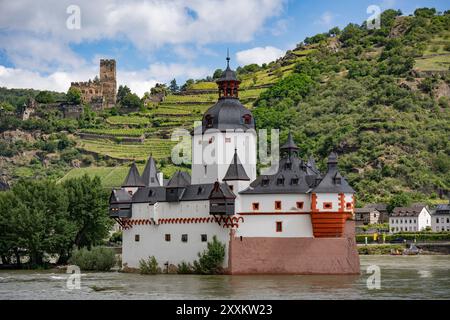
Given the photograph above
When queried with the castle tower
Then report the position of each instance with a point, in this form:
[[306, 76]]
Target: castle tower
[[108, 81], [226, 126]]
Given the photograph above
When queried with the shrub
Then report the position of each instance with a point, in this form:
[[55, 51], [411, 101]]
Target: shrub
[[96, 259], [185, 268], [210, 261], [149, 266]]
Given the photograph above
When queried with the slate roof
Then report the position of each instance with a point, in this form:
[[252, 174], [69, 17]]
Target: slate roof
[[413, 211], [179, 179], [228, 74], [442, 209], [379, 206], [150, 174], [236, 170], [191, 193], [333, 181], [120, 196], [227, 114], [290, 145], [290, 178], [133, 178], [365, 210]]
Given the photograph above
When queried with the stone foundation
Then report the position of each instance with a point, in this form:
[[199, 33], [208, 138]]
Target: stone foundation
[[267, 255]]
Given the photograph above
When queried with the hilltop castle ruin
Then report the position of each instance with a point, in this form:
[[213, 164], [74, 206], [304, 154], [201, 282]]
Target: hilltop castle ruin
[[100, 92]]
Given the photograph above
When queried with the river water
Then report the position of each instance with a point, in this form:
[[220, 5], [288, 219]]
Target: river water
[[401, 277]]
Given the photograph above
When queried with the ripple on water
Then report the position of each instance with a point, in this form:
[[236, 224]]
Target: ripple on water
[[402, 277]]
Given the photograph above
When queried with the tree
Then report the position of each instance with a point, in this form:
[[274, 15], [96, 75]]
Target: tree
[[174, 86], [73, 96], [132, 100], [6, 106], [187, 84], [334, 32], [399, 200], [122, 92], [45, 97], [41, 223], [217, 74]]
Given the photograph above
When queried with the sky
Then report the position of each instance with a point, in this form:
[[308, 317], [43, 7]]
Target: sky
[[47, 44]]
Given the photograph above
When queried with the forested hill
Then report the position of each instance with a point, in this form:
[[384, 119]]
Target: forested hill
[[379, 98]]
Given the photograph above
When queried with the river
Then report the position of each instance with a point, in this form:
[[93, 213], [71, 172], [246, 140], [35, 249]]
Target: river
[[401, 277]]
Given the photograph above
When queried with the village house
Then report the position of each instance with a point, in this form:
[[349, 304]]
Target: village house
[[366, 216], [440, 219], [405, 219]]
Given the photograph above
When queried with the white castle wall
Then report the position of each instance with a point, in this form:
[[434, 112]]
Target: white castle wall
[[264, 225], [222, 151], [152, 237]]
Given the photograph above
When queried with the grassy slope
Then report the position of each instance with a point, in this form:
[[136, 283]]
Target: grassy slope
[[374, 138]]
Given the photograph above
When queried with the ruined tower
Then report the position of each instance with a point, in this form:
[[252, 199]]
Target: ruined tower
[[108, 81]]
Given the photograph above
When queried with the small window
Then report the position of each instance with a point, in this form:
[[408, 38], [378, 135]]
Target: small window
[[231, 188], [130, 192], [255, 205], [348, 205], [327, 205], [277, 205], [279, 226], [199, 190], [337, 180], [167, 237], [280, 181], [209, 121], [227, 140], [265, 182], [204, 238], [247, 119], [150, 193], [137, 238], [294, 181], [184, 238], [300, 205]]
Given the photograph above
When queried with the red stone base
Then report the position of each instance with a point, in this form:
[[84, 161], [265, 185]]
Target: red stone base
[[295, 255]]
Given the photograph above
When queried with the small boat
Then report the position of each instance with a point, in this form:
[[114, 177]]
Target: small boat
[[412, 250]]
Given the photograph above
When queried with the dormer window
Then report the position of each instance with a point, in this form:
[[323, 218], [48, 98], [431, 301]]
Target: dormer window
[[150, 193], [294, 181], [247, 119], [288, 165], [280, 181], [199, 190], [265, 182], [209, 120], [337, 180]]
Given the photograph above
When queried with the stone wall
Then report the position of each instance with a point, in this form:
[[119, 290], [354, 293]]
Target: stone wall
[[261, 255]]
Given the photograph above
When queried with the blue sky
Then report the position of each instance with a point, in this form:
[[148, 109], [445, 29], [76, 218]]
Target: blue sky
[[155, 41]]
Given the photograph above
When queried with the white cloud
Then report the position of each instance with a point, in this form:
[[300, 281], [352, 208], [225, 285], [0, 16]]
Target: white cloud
[[34, 35], [139, 81], [326, 19], [147, 24], [258, 55]]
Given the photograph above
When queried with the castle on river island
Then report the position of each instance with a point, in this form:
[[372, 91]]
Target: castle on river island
[[296, 220]]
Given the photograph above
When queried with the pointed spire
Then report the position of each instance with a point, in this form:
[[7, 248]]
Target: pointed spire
[[236, 170], [150, 174], [133, 178], [228, 58], [290, 145], [332, 161]]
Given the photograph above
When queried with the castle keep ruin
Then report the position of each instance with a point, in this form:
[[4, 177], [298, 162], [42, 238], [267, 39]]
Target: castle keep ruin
[[100, 92]]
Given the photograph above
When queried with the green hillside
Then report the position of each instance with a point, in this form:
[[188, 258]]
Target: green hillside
[[379, 98]]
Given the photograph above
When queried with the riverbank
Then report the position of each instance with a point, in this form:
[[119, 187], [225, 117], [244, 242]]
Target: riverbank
[[432, 248]]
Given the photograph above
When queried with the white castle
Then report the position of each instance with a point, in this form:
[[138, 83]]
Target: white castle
[[296, 221]]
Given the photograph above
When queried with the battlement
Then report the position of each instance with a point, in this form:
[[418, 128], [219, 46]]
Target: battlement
[[101, 90], [107, 62]]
